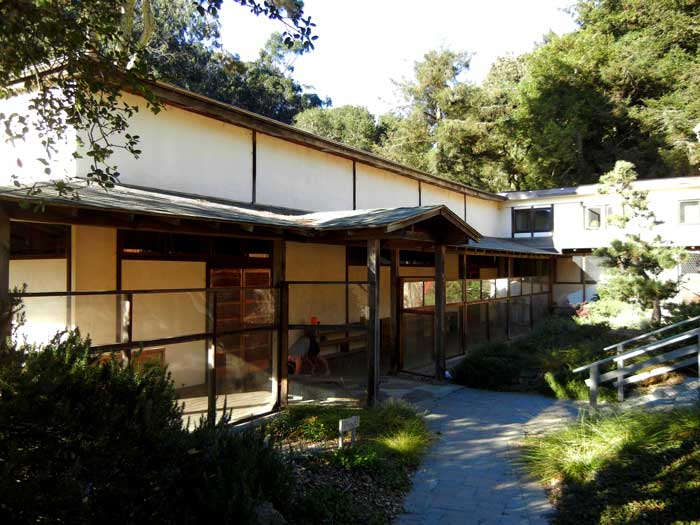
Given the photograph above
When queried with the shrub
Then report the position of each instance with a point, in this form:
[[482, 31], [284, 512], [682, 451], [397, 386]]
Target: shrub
[[326, 505], [491, 366], [681, 312], [83, 443], [541, 362]]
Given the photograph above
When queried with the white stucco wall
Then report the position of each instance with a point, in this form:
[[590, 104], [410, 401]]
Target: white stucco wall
[[664, 198], [377, 188], [431, 195], [301, 178], [485, 216], [44, 315], [186, 152]]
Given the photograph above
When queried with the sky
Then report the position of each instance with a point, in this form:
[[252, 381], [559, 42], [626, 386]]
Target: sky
[[364, 45]]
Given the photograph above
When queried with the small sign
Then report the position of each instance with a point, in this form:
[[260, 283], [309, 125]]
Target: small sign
[[351, 425]]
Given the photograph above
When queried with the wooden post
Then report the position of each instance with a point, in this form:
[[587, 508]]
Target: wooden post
[[620, 378], [5, 300], [463, 306], [620, 375], [211, 359], [125, 318], [282, 320], [440, 311], [593, 387], [396, 297], [509, 266], [373, 324]]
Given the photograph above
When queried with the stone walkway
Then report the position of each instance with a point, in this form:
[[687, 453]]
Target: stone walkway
[[469, 476]]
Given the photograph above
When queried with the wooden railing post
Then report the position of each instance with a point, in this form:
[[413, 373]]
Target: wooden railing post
[[620, 375], [593, 387], [620, 379]]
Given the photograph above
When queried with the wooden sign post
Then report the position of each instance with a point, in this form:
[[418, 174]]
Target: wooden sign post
[[348, 425]]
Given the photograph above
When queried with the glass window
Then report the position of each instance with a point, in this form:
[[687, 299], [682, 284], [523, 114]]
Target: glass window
[[593, 217], [690, 212], [521, 221], [543, 220], [473, 290]]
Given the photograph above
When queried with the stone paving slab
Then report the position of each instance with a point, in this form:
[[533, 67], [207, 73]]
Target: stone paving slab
[[469, 475]]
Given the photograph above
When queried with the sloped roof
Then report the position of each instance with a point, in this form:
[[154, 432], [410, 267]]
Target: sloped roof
[[125, 199], [500, 244]]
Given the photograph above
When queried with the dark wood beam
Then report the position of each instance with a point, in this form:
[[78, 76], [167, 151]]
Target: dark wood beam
[[279, 257], [396, 296], [440, 312], [373, 336], [5, 302]]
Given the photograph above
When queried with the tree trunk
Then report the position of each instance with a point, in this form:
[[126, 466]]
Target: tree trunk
[[656, 312]]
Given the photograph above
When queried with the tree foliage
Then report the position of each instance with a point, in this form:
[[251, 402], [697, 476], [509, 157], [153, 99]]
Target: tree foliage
[[623, 86], [635, 263], [185, 50], [351, 125], [75, 58]]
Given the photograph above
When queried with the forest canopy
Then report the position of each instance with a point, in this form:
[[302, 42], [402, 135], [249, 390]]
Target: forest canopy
[[623, 86]]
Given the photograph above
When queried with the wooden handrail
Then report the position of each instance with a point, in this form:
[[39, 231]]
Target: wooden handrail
[[649, 334], [669, 360], [642, 349]]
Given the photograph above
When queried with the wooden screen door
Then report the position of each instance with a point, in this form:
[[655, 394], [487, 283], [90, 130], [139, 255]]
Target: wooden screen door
[[242, 361]]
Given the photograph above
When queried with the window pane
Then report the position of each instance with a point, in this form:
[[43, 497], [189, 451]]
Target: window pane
[[543, 219], [593, 218], [521, 221], [690, 212], [473, 290]]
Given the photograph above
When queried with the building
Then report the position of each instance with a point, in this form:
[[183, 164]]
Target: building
[[234, 235]]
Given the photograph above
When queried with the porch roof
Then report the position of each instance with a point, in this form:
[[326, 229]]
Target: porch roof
[[506, 245], [129, 201]]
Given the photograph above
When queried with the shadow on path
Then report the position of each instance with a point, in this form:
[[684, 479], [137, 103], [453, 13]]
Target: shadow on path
[[469, 475]]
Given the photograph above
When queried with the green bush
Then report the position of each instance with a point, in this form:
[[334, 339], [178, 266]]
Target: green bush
[[492, 367], [326, 505], [681, 312], [81, 443], [540, 362]]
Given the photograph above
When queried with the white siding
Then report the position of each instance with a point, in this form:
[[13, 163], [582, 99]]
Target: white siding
[[186, 152], [570, 231], [485, 216], [301, 178], [431, 195], [381, 189]]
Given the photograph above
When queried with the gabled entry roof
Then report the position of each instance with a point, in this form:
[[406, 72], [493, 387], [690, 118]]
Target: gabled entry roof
[[128, 206]]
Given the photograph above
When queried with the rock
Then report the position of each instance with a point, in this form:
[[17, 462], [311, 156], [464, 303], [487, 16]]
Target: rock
[[266, 514]]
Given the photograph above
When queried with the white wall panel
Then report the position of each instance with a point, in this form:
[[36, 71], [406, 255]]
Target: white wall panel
[[186, 152], [431, 195], [485, 217], [382, 189], [297, 177]]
